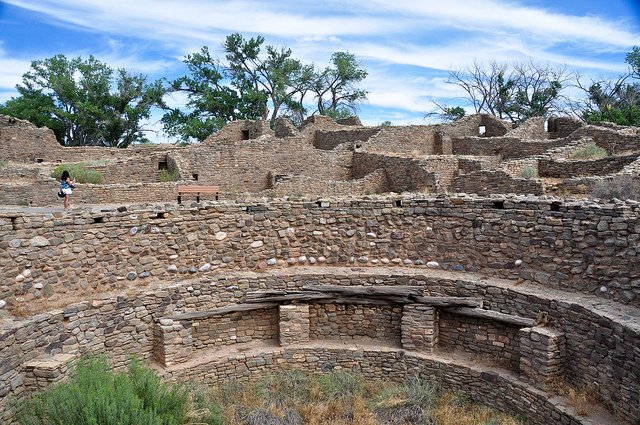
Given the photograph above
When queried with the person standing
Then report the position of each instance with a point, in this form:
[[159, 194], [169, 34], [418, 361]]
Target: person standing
[[66, 187]]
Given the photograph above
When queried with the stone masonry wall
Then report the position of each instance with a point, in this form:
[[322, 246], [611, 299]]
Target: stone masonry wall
[[235, 328], [410, 140], [576, 168], [600, 344], [328, 140], [340, 321], [594, 246], [494, 181], [376, 182], [490, 341], [505, 147], [403, 174]]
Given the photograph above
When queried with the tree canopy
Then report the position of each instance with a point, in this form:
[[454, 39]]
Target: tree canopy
[[616, 101], [515, 91], [258, 81], [85, 102]]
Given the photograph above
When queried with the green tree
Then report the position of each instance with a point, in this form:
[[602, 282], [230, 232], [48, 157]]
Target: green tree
[[278, 76], [612, 101], [513, 91], [84, 102], [211, 101], [335, 86], [259, 82]]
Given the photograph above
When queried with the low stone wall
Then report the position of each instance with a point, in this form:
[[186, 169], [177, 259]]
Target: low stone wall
[[328, 140], [331, 321], [505, 147], [499, 390], [495, 181], [375, 182], [576, 168], [403, 174], [488, 340], [411, 140]]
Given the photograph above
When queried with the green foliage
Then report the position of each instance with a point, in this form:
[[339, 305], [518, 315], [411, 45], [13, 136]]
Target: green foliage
[[340, 385], [169, 175], [514, 91], [95, 395], [3, 163], [84, 101], [621, 187], [79, 172], [590, 151], [617, 101], [259, 81], [386, 124], [528, 172]]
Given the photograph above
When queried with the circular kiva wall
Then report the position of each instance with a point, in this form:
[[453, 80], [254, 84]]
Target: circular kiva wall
[[542, 291], [219, 327]]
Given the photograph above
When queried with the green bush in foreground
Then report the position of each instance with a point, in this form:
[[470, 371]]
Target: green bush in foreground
[[79, 172], [95, 395]]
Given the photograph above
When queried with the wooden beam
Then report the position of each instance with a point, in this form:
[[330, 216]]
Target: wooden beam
[[400, 290], [222, 311], [492, 315], [449, 301]]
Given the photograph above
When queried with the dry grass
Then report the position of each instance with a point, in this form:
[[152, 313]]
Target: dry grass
[[296, 398], [581, 399]]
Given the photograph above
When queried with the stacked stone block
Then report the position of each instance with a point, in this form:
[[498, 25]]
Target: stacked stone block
[[173, 342], [294, 324], [542, 356], [419, 327], [41, 373]]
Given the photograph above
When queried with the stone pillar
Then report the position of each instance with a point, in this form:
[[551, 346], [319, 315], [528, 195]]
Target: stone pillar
[[542, 355], [173, 342], [294, 324], [41, 373], [419, 327]]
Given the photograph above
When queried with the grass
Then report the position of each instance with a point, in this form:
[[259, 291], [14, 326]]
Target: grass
[[528, 172], [582, 399], [620, 187], [95, 395], [292, 398], [169, 175], [590, 151], [79, 172]]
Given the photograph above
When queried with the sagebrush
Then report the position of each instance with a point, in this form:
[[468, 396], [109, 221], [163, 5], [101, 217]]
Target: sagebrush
[[590, 151]]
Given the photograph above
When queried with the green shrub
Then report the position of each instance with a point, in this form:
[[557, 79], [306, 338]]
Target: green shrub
[[528, 172], [590, 151], [95, 395], [169, 175], [3, 163], [79, 172], [621, 187]]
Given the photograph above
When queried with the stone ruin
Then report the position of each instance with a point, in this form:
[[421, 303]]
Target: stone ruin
[[391, 251]]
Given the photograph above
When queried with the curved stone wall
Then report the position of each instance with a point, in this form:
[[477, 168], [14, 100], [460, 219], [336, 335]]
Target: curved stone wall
[[601, 337], [581, 247]]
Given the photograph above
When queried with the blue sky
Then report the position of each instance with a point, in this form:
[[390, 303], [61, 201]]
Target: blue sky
[[406, 45]]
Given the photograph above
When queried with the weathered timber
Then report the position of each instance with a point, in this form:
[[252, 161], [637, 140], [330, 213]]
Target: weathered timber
[[358, 301], [492, 315], [449, 301], [222, 311], [400, 290], [307, 296]]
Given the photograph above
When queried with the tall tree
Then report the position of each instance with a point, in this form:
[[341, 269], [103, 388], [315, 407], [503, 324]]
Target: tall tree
[[335, 86], [279, 76], [211, 101], [616, 101], [84, 102], [514, 91]]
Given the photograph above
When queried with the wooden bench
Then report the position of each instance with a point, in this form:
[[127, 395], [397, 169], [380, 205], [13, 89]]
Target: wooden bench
[[197, 190]]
